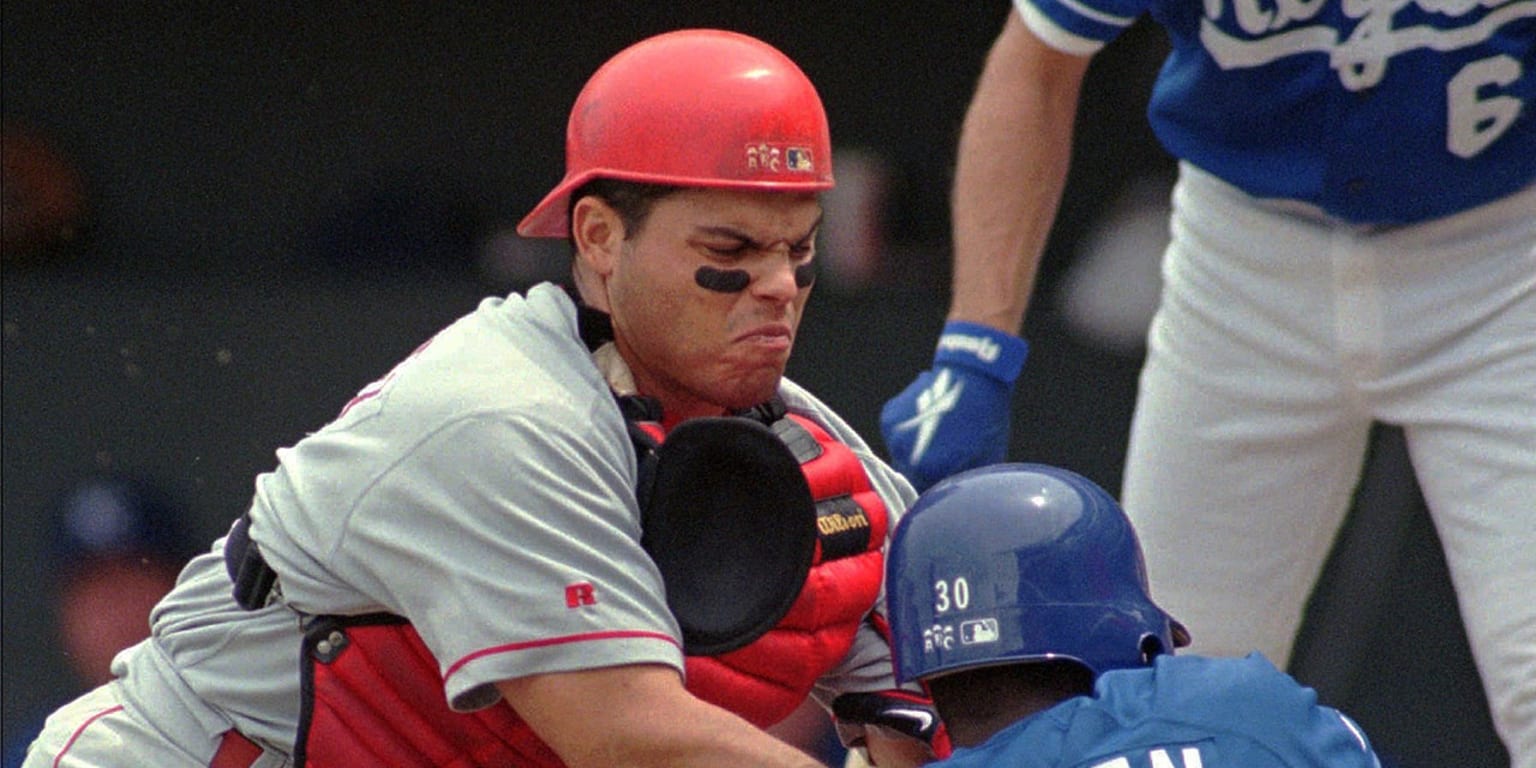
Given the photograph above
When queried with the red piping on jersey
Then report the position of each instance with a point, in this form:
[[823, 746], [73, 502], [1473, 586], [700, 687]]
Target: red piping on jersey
[[547, 641], [76, 735]]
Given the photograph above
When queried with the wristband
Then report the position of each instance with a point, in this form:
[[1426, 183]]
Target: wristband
[[981, 348]]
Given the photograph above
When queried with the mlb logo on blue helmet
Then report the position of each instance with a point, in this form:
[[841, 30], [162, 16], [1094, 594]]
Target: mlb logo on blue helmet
[[979, 631]]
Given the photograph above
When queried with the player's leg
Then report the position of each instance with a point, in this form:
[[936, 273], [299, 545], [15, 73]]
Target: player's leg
[[1247, 443], [1466, 395], [1483, 502]]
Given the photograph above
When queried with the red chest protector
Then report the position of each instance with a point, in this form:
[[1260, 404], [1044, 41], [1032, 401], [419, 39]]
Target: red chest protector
[[764, 681], [373, 695]]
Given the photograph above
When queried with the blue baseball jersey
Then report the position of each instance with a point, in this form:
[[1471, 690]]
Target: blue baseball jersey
[[1182, 712], [1375, 111]]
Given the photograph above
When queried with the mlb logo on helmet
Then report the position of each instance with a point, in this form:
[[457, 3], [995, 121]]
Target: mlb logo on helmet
[[799, 159], [979, 631]]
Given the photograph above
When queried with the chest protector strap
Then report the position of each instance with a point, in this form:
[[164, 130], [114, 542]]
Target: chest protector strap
[[373, 693]]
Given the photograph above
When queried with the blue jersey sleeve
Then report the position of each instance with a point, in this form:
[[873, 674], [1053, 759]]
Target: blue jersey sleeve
[[1079, 26]]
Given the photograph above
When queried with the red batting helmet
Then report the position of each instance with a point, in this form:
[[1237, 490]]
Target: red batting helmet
[[692, 108]]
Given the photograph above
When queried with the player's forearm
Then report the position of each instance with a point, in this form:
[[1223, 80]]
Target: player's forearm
[[1015, 146], [701, 735], [640, 716]]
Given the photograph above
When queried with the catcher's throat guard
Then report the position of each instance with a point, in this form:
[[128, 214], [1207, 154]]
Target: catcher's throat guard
[[729, 519]]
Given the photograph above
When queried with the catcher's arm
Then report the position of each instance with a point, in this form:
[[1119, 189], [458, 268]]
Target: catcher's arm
[[640, 715]]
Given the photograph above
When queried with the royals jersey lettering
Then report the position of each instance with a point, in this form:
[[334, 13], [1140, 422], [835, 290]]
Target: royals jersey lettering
[[1375, 111]]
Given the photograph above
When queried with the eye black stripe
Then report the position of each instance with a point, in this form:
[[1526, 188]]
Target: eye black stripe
[[725, 280]]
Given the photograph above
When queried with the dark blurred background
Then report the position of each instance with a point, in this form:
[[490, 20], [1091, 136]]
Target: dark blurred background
[[222, 219]]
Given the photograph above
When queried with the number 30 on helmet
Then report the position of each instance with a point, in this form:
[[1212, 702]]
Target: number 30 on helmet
[[693, 108], [1018, 563]]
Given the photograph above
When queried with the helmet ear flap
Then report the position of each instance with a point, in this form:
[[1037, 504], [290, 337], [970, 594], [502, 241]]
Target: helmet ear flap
[[1152, 645], [1181, 636]]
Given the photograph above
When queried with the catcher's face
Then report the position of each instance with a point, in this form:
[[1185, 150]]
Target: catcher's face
[[707, 297]]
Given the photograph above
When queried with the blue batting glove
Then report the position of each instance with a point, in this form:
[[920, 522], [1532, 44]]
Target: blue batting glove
[[955, 416]]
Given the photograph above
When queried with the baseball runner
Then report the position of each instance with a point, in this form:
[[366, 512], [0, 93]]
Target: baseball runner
[[1018, 596], [1351, 242], [517, 546]]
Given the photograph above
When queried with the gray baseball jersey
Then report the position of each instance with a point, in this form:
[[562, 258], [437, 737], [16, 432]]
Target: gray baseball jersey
[[467, 490]]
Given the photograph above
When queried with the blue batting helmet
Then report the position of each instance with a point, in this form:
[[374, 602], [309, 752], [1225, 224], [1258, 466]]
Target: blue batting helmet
[[1018, 563]]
